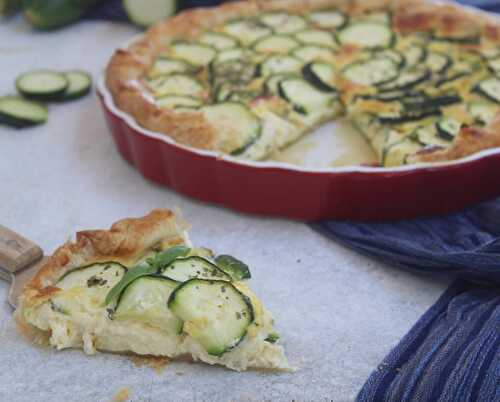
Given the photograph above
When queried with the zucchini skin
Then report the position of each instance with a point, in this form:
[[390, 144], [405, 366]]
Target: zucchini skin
[[52, 14], [310, 76]]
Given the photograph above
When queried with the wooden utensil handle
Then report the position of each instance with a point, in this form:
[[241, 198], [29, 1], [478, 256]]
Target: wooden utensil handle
[[17, 252]]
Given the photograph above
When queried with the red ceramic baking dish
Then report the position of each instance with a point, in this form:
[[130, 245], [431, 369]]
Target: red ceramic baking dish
[[288, 190]]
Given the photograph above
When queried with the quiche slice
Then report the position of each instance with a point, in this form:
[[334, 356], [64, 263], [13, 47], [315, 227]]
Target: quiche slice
[[141, 287], [420, 79]]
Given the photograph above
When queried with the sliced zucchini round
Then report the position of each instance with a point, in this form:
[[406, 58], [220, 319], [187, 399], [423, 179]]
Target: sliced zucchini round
[[145, 301], [392, 54], [235, 268], [414, 54], [246, 31], [321, 75], [383, 17], [218, 41], [316, 37], [183, 269], [448, 128], [407, 79], [282, 22], [328, 19], [165, 65], [146, 14], [215, 313], [490, 89], [428, 136], [366, 34], [275, 44], [494, 65], [19, 112], [80, 83], [280, 64], [313, 53], [233, 54], [371, 72], [304, 97], [234, 119], [177, 101], [437, 62], [194, 53], [482, 112], [42, 84], [176, 84], [234, 71], [99, 275], [407, 116], [272, 83]]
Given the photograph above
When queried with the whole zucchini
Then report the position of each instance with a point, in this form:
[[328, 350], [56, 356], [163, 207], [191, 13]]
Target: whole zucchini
[[50, 14]]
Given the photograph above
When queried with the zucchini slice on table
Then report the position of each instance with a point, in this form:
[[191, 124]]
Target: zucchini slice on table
[[176, 84], [376, 71], [178, 101], [280, 64], [313, 53], [448, 128], [146, 13], [316, 37], [215, 313], [165, 65], [42, 84], [218, 41], [145, 300], [321, 75], [233, 118], [183, 269], [19, 112], [247, 31], [99, 275], [328, 19], [490, 89], [79, 84], [281, 22], [366, 34], [304, 97], [194, 53], [275, 44]]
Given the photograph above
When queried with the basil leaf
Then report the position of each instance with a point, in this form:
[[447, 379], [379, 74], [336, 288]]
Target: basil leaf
[[149, 267], [237, 269]]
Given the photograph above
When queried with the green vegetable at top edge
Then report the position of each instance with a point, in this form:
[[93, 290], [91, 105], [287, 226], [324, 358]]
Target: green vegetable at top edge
[[237, 269]]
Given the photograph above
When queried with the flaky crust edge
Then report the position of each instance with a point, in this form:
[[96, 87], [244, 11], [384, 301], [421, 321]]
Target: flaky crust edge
[[128, 65], [125, 242]]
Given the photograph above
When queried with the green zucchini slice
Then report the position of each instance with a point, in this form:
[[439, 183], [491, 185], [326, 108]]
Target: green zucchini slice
[[482, 112], [490, 89], [284, 23], [280, 64], [247, 31], [79, 84], [183, 269], [232, 54], [194, 53], [428, 136], [176, 84], [305, 98], [218, 41], [178, 101], [448, 128], [237, 269], [494, 65], [234, 71], [414, 54], [438, 63], [407, 116], [407, 79], [165, 66], [366, 34], [313, 53], [147, 13], [101, 275], [321, 75], [327, 19], [215, 313], [234, 117], [272, 83], [371, 72], [316, 37], [275, 44], [145, 301], [392, 54], [19, 112], [42, 85]]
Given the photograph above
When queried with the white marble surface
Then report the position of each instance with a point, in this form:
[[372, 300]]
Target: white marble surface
[[338, 313]]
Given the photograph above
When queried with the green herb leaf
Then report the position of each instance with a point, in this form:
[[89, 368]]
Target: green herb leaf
[[237, 269], [272, 337], [149, 267]]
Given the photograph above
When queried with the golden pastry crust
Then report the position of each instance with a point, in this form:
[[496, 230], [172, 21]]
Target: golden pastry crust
[[125, 242], [128, 66]]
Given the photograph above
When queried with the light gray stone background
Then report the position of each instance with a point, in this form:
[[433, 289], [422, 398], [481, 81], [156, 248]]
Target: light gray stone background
[[338, 313]]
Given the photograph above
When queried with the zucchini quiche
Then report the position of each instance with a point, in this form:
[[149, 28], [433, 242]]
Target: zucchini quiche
[[418, 79], [141, 287]]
